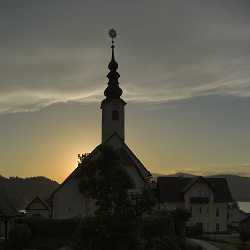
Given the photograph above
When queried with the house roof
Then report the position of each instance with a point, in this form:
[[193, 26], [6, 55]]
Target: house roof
[[37, 199], [247, 218], [126, 156], [195, 180], [172, 189], [6, 208]]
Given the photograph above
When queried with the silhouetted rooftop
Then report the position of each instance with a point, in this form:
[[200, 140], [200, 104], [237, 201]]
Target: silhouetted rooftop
[[172, 189]]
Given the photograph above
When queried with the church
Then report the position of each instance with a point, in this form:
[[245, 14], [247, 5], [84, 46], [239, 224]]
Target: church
[[66, 200], [207, 199]]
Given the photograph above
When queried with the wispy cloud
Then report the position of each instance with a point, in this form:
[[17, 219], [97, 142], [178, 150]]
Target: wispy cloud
[[52, 55]]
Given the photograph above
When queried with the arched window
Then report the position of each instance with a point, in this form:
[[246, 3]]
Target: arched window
[[115, 115]]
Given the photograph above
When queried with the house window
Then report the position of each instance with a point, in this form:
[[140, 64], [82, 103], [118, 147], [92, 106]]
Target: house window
[[217, 227], [217, 212], [115, 115]]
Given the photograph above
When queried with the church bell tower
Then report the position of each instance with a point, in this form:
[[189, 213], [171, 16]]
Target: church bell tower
[[113, 117]]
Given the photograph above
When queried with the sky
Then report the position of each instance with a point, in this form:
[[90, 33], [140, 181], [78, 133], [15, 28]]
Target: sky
[[185, 73]]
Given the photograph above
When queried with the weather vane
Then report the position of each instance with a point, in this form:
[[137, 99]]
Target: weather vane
[[112, 34]]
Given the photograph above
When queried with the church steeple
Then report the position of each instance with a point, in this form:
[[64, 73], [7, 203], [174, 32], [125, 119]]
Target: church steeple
[[113, 106], [113, 90]]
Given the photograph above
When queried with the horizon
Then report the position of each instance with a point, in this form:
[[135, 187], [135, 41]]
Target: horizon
[[153, 174], [184, 71]]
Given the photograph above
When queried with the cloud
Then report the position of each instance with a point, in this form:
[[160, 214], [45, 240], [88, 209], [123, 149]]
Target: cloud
[[167, 51]]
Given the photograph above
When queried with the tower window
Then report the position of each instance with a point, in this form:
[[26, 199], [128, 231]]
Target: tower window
[[115, 115]]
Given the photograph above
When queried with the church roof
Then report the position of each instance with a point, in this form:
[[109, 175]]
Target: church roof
[[172, 189], [127, 157]]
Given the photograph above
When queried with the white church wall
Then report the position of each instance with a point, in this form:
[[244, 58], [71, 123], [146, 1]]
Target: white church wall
[[68, 202]]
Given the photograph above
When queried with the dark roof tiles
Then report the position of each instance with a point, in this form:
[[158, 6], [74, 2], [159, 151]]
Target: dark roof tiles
[[172, 189]]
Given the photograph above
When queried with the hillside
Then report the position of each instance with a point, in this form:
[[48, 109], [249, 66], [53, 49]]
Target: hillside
[[20, 191], [238, 185]]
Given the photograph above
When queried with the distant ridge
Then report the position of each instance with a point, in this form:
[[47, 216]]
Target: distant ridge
[[20, 191], [238, 185]]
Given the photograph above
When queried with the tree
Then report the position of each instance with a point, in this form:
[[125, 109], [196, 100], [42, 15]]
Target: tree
[[106, 181]]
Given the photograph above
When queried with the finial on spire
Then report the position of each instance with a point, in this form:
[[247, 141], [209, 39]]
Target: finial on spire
[[112, 34]]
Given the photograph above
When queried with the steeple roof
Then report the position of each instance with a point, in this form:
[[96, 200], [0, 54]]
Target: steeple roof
[[113, 91]]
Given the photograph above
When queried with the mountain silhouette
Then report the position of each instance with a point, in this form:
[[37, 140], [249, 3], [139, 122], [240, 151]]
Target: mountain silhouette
[[20, 191]]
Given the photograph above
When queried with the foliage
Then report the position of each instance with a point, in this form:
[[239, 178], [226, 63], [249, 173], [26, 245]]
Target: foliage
[[157, 226], [181, 216], [123, 220], [194, 230], [106, 233], [244, 233], [105, 181], [19, 236], [49, 227]]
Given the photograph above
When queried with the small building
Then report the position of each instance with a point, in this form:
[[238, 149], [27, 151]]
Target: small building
[[38, 207], [207, 200]]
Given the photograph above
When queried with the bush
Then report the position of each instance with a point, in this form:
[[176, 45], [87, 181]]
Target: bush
[[244, 232], [109, 233], [181, 216], [194, 231], [157, 226], [19, 237], [49, 227]]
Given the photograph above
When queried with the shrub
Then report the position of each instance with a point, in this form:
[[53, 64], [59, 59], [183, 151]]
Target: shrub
[[194, 231], [49, 227], [244, 231], [19, 236], [157, 226], [181, 216], [109, 233]]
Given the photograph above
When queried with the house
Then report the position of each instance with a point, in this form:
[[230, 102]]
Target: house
[[38, 207], [7, 215], [66, 200], [207, 199]]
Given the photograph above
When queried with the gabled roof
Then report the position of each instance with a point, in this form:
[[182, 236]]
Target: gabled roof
[[172, 189], [196, 180], [75, 173], [37, 199], [127, 157], [6, 208]]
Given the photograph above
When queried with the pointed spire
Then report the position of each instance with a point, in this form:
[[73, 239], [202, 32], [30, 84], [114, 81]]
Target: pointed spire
[[113, 91]]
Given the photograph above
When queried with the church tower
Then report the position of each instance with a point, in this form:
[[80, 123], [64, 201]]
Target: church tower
[[113, 117]]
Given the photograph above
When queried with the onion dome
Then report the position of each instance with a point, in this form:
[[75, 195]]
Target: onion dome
[[113, 91]]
